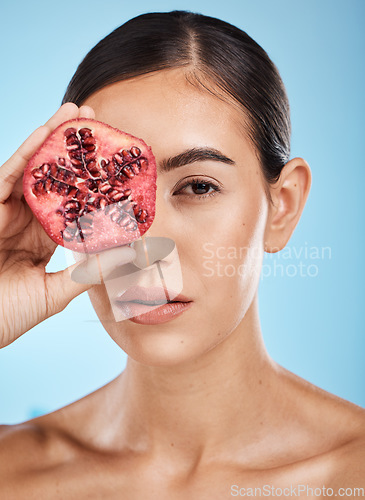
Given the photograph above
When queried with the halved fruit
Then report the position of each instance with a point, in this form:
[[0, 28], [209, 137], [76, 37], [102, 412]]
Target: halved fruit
[[92, 186]]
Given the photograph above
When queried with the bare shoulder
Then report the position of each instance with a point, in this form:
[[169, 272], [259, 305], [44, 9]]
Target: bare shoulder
[[322, 437], [27, 450], [36, 454], [54, 438], [335, 429], [323, 411], [31, 446], [348, 462]]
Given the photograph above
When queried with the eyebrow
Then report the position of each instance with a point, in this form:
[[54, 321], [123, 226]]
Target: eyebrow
[[192, 155]]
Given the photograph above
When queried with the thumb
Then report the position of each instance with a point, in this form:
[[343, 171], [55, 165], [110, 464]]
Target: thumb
[[65, 285]]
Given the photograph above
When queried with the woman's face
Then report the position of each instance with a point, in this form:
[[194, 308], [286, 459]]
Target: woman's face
[[215, 211]]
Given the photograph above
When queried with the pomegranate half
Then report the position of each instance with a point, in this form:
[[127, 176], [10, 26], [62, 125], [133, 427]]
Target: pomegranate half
[[92, 186]]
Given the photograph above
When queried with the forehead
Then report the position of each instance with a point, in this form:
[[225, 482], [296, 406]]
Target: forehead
[[171, 114]]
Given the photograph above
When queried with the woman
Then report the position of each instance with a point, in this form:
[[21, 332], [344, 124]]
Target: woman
[[201, 410]]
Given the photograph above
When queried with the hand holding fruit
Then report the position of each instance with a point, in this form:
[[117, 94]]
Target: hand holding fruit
[[29, 295], [92, 186]]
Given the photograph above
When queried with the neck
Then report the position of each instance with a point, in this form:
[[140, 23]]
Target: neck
[[196, 408]]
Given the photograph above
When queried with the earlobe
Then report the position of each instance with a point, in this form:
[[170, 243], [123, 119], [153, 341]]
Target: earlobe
[[289, 195]]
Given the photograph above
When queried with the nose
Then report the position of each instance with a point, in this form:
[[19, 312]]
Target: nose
[[152, 249]]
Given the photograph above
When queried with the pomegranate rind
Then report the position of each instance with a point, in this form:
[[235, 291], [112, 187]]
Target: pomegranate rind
[[48, 204]]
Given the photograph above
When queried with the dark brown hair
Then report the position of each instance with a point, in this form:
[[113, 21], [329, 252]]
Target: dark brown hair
[[221, 53]]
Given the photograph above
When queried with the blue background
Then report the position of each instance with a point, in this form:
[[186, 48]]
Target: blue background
[[313, 325]]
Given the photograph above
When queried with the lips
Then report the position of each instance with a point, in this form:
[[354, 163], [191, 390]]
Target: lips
[[152, 296]]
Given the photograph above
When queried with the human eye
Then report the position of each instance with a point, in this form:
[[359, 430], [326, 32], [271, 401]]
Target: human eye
[[197, 188]]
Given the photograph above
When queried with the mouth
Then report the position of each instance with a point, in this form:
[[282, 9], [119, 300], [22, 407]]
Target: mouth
[[152, 296], [151, 302], [152, 305]]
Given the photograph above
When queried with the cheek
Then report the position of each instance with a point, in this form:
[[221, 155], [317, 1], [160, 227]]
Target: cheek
[[116, 330], [101, 304], [233, 226], [230, 253]]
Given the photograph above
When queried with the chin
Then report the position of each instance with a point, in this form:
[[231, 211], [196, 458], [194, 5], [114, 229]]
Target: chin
[[178, 341], [157, 346]]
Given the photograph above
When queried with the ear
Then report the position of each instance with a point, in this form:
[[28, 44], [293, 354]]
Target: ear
[[289, 195]]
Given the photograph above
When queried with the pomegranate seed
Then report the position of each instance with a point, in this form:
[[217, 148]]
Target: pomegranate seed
[[123, 219], [118, 196], [114, 216], [45, 168], [110, 168], [135, 151], [126, 156], [103, 203], [37, 173], [69, 216], [143, 162], [72, 206], [105, 188], [63, 189], [134, 168], [48, 184], [70, 131], [118, 159], [75, 162], [90, 156], [127, 172], [38, 188], [72, 191], [88, 141], [131, 226], [85, 132], [53, 170], [88, 231], [142, 215]]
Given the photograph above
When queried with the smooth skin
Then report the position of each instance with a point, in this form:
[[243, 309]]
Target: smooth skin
[[200, 407]]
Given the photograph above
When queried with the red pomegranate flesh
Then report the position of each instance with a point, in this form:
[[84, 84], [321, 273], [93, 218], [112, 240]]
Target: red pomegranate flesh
[[92, 186]]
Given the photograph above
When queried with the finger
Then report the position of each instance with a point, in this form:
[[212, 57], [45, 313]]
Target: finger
[[13, 169], [86, 112], [17, 192], [62, 287], [67, 111], [95, 268]]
